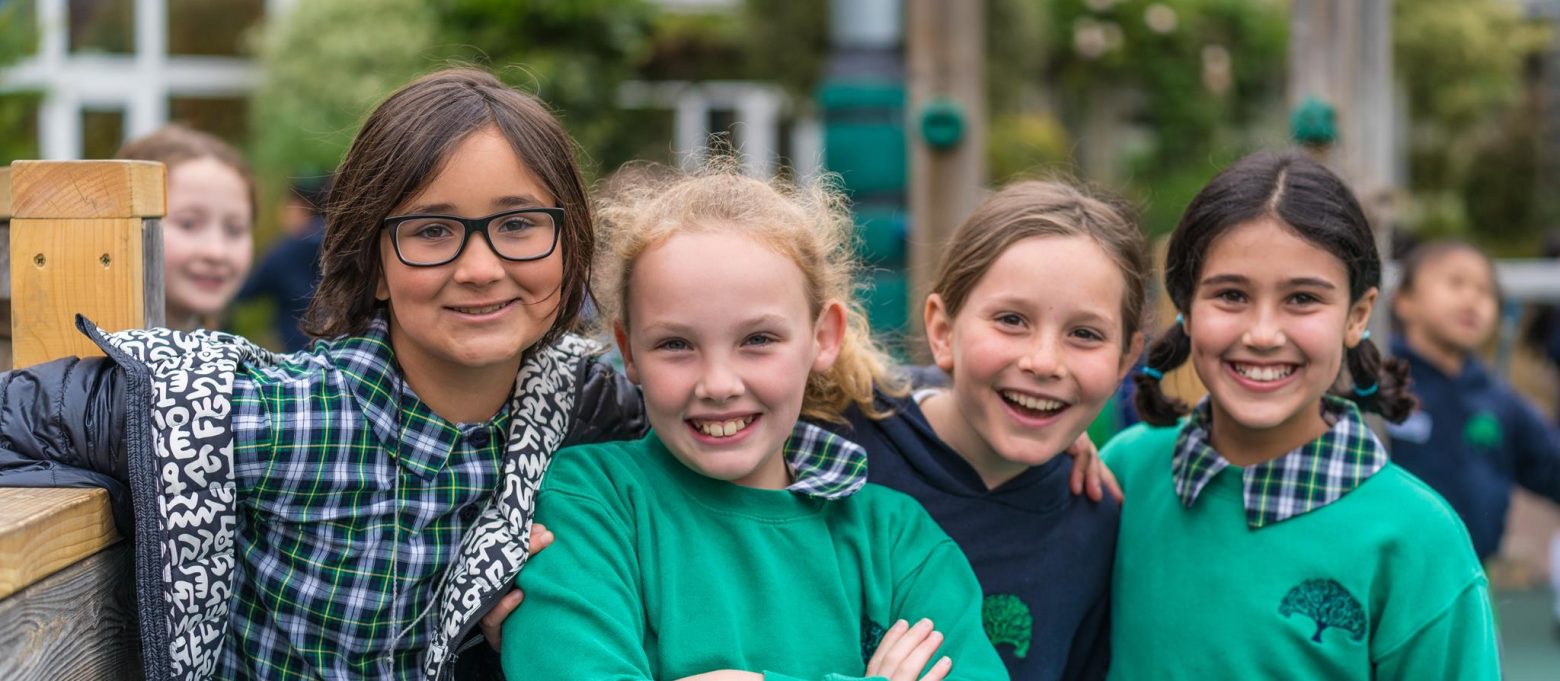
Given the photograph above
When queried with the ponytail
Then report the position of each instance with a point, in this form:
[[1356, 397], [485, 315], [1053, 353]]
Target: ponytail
[[1380, 386], [1167, 352]]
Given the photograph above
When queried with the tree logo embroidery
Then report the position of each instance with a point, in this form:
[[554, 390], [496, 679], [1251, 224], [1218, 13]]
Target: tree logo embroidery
[[1483, 430], [1328, 604], [1007, 620], [871, 636]]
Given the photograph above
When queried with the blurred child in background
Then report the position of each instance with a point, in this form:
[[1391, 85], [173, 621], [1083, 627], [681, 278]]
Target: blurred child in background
[[207, 234], [288, 274], [1473, 436]]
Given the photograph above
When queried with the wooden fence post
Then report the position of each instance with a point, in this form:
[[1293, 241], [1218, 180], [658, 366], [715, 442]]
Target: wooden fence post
[[84, 240]]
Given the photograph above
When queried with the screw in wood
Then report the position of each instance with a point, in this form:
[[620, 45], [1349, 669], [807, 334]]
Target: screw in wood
[[39, 260]]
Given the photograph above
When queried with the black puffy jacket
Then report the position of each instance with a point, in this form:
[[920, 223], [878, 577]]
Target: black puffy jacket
[[101, 422]]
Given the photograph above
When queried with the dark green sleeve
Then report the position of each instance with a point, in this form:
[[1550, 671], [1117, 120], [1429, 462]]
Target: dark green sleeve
[[943, 588], [583, 615]]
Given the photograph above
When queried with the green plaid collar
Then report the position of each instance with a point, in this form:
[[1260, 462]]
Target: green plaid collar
[[404, 426], [1310, 477], [824, 465]]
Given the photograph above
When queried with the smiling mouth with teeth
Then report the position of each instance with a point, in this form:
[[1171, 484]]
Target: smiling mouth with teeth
[[725, 428], [1263, 374], [482, 310], [1033, 403]]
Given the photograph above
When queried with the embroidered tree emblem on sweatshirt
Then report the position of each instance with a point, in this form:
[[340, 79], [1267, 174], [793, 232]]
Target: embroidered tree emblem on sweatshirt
[[871, 636], [1328, 604], [1483, 430], [1007, 620]]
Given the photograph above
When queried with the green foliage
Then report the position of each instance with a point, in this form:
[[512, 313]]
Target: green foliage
[[18, 31], [324, 65], [327, 62], [1188, 100], [1460, 60], [1008, 622], [1019, 144], [1473, 169], [786, 41], [19, 115], [571, 54], [1192, 89], [1019, 42], [18, 110]]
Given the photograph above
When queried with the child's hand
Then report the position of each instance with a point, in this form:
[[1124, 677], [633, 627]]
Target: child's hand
[[904, 651], [1089, 470], [493, 623]]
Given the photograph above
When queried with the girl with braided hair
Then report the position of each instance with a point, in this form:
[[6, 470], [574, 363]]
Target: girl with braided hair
[[1285, 543]]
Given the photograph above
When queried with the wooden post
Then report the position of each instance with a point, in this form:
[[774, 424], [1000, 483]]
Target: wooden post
[[945, 44], [1340, 51], [84, 240]]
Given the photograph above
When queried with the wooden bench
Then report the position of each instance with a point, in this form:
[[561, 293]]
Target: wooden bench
[[82, 237]]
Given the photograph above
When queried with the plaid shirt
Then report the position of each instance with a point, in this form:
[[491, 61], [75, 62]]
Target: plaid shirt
[[1310, 477], [823, 464], [353, 498]]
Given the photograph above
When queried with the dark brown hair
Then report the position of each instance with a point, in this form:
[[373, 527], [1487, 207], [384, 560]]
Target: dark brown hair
[[1035, 208], [405, 143], [1306, 198], [174, 144]]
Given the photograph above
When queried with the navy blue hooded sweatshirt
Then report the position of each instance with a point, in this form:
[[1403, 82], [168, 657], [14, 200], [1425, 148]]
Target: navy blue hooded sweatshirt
[[1043, 555], [1471, 440]]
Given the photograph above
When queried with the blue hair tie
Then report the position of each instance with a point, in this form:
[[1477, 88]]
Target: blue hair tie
[[1367, 392], [1151, 372]]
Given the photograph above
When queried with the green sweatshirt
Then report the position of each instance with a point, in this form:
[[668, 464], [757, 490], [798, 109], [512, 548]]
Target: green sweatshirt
[[1380, 584], [661, 573]]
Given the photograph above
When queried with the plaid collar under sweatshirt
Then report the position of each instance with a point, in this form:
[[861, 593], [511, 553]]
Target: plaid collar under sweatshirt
[[1310, 477], [354, 497]]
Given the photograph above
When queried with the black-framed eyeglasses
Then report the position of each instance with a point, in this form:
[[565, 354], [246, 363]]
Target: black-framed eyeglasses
[[515, 235]]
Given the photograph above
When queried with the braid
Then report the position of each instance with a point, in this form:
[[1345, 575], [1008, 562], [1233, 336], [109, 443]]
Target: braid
[[1168, 351], [1380, 386]]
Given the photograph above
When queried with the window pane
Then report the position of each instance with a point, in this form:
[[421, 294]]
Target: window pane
[[211, 27], [102, 26], [102, 133], [225, 117]]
